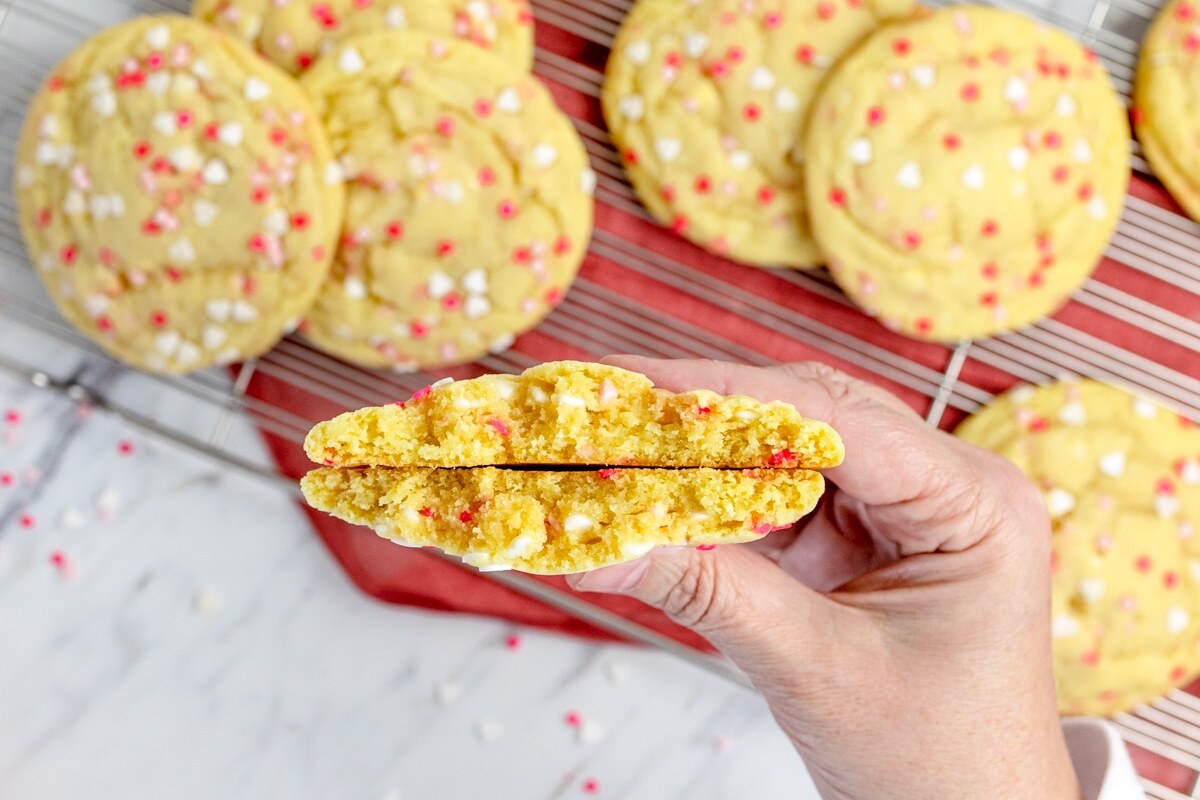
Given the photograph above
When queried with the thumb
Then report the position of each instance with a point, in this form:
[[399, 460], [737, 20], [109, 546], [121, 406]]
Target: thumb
[[741, 601]]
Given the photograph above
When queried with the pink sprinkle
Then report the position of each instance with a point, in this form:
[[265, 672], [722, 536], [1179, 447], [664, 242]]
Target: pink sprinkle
[[125, 448], [64, 564], [573, 719], [591, 786], [499, 425], [7, 479], [706, 547], [723, 743], [607, 474], [763, 528], [421, 394], [33, 475], [28, 521], [512, 643], [12, 416]]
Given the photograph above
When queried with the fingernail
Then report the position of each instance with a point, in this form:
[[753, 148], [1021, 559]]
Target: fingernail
[[616, 579]]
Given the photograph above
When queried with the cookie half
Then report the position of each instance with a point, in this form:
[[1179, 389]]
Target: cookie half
[[295, 33], [965, 172], [569, 412], [177, 195], [706, 100], [1121, 478], [561, 522], [469, 202], [1166, 96]]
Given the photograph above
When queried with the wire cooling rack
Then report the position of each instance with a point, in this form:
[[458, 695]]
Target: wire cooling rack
[[1134, 324]]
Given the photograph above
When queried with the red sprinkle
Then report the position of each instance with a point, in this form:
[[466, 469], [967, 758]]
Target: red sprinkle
[[951, 142], [911, 239], [766, 195], [483, 107], [446, 248], [573, 718], [487, 176], [159, 319], [703, 410], [499, 425], [924, 325], [837, 197], [607, 474], [419, 330], [901, 47], [805, 53], [1142, 563], [826, 10], [752, 112], [466, 517], [421, 394], [562, 245], [125, 448], [1052, 139], [706, 547], [1170, 580], [591, 786], [300, 220], [512, 642], [781, 457], [445, 126], [970, 92], [875, 116], [990, 270], [703, 184], [507, 209], [141, 150], [7, 479], [28, 521], [426, 512]]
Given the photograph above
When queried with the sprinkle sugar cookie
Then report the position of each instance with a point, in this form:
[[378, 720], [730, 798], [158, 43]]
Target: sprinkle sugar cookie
[[568, 467], [568, 412], [706, 101], [177, 196], [965, 172], [295, 33], [469, 206], [1166, 97], [1121, 478], [552, 523]]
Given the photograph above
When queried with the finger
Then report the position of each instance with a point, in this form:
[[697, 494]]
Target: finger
[[902, 471], [739, 600]]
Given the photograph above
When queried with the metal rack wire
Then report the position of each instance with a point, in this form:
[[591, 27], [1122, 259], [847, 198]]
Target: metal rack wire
[[1152, 247]]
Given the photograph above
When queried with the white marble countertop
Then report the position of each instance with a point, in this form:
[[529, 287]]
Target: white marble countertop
[[195, 640]]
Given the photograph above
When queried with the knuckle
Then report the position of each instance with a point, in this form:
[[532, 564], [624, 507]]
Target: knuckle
[[695, 599]]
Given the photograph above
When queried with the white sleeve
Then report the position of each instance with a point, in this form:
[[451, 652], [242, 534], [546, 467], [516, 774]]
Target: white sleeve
[[1100, 760]]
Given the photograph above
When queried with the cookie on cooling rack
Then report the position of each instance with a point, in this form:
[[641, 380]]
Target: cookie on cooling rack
[[706, 101], [475, 468], [568, 412], [296, 33], [1121, 478], [552, 523], [965, 172], [469, 202], [1165, 91], [175, 193]]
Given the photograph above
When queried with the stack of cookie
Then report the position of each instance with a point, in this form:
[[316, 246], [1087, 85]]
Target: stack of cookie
[[411, 201], [959, 171]]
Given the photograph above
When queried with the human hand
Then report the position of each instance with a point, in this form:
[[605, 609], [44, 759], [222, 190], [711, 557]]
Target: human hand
[[900, 634]]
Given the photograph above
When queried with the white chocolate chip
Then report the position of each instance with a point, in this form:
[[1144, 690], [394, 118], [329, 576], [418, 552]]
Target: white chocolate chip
[[351, 61], [1065, 626], [218, 309], [786, 100], [1178, 619], [1189, 471], [1166, 506], [544, 155], [167, 343], [231, 133], [1065, 105], [1091, 589], [158, 37], [476, 307], [215, 172], [395, 17], [587, 181], [1059, 502], [860, 151], [1016, 90], [105, 104], [923, 75], [1082, 151], [694, 44], [255, 89], [909, 175], [508, 101], [538, 394], [213, 337], [1113, 464], [181, 252], [571, 400], [165, 122], [632, 107], [243, 312], [762, 79], [668, 149], [578, 522], [1145, 408], [1018, 158], [637, 549], [638, 52], [521, 546], [354, 288], [973, 177], [1073, 413], [440, 284], [1097, 208], [476, 281]]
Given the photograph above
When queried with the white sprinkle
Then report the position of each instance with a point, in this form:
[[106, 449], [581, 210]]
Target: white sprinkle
[[1113, 464], [578, 522], [1065, 105], [440, 284], [158, 37], [354, 288], [1018, 158], [544, 155], [571, 400], [694, 44], [351, 61], [762, 79], [1177, 619], [476, 307], [909, 175], [786, 100], [632, 107], [181, 252], [231, 133], [973, 177], [638, 52], [256, 89], [860, 151], [1059, 502], [1065, 626], [395, 17], [447, 691], [1091, 589], [1073, 413], [508, 101], [488, 730], [923, 75], [213, 336], [668, 149], [1082, 151]]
